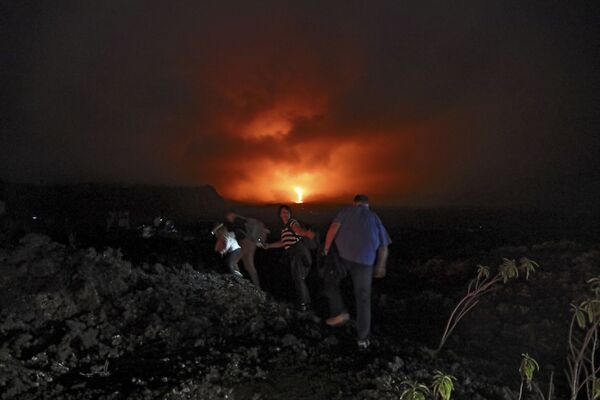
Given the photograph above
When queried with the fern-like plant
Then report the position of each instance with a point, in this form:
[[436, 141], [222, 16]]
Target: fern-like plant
[[527, 368], [482, 284], [443, 385], [414, 391], [583, 366]]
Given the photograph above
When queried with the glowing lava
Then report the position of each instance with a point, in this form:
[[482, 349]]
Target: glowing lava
[[298, 194]]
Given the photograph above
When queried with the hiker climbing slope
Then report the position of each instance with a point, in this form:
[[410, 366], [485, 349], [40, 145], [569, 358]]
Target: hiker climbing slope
[[228, 247], [296, 253], [249, 232]]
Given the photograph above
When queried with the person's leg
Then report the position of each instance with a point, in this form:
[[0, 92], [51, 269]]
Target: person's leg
[[231, 260], [333, 276], [362, 278], [248, 250], [300, 263]]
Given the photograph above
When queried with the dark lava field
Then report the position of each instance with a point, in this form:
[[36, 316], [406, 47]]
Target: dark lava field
[[126, 317]]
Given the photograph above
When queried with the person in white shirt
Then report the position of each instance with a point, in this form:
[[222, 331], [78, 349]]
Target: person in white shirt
[[228, 247]]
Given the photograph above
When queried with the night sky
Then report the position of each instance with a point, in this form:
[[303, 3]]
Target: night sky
[[415, 103]]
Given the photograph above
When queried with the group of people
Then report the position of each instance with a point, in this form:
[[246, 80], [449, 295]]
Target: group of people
[[356, 245], [237, 239]]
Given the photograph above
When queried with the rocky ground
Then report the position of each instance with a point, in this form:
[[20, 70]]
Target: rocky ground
[[522, 316], [89, 323]]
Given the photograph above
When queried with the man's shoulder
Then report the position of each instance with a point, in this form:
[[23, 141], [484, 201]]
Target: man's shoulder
[[364, 210], [374, 218], [342, 214], [373, 214]]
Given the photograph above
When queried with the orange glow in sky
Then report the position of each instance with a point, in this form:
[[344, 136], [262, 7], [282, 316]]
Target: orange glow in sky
[[281, 137], [289, 102], [276, 122], [322, 172]]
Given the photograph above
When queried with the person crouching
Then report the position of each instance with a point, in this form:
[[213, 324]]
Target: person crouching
[[228, 247]]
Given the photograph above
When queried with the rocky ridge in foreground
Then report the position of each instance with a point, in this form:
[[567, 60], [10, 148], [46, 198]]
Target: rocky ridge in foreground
[[87, 324]]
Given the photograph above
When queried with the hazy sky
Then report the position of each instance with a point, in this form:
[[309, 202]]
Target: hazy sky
[[421, 103]]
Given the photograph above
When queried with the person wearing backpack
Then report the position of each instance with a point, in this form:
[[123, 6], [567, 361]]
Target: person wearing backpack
[[249, 232], [298, 256]]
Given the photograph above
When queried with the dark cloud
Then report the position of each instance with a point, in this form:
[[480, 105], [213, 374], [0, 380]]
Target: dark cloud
[[422, 103]]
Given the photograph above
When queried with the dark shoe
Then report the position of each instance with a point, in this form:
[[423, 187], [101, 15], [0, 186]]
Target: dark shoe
[[363, 344], [338, 320]]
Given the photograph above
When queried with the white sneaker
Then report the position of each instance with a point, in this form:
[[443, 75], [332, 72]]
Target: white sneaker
[[363, 344]]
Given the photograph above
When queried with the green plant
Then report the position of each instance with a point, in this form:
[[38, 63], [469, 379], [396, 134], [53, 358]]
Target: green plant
[[415, 391], [482, 284], [526, 370], [595, 286], [442, 385], [583, 368]]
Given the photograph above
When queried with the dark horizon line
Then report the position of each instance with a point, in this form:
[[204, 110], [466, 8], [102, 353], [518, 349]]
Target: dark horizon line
[[332, 203]]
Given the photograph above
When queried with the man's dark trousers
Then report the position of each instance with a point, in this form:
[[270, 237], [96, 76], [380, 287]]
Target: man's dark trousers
[[362, 279]]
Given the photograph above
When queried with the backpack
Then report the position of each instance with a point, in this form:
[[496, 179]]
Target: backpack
[[329, 267], [255, 230], [310, 244], [314, 243]]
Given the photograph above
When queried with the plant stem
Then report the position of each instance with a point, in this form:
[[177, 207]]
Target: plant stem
[[521, 390], [578, 357], [469, 301], [551, 386]]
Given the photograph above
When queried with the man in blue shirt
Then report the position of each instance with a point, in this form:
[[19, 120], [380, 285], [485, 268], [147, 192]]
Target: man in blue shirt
[[362, 244]]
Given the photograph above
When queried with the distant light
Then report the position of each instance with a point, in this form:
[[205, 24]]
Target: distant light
[[299, 194], [34, 217]]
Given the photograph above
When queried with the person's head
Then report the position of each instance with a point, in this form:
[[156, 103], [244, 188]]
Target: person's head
[[218, 229], [361, 199], [230, 216], [285, 213]]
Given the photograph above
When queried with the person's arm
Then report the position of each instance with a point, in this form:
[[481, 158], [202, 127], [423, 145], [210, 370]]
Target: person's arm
[[220, 245], [331, 232], [274, 245], [302, 232], [382, 256]]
